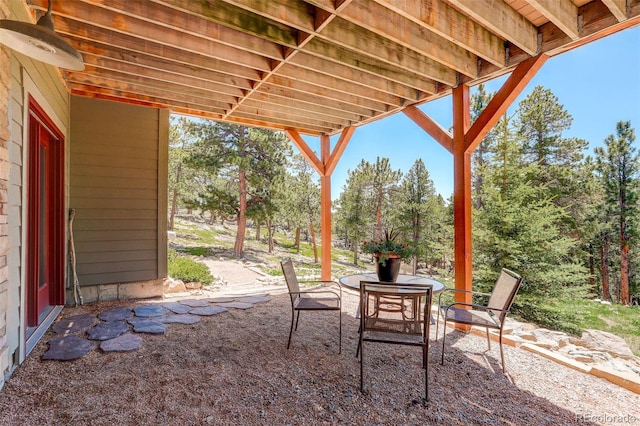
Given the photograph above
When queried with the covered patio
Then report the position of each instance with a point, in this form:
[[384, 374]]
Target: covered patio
[[314, 68], [234, 368]]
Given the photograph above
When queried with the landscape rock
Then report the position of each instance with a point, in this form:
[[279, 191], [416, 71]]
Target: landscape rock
[[144, 325], [207, 310], [176, 307], [174, 286], [604, 342], [150, 311], [193, 285], [179, 319]]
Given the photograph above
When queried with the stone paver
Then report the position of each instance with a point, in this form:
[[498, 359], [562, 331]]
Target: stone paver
[[67, 348], [126, 343], [176, 307], [111, 327], [236, 305], [150, 311], [107, 330], [208, 310], [116, 314], [179, 319], [145, 325], [74, 324]]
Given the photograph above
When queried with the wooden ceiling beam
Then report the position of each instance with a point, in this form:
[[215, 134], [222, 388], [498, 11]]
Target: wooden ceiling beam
[[319, 93], [327, 86], [325, 109], [341, 145], [422, 73], [158, 101], [237, 18], [357, 39], [169, 93], [142, 71], [292, 107], [500, 18], [618, 8], [141, 77], [449, 23], [388, 25], [563, 14], [352, 75], [287, 119], [127, 48], [229, 44]]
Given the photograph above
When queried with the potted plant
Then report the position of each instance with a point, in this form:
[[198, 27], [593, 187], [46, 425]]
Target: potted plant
[[388, 253]]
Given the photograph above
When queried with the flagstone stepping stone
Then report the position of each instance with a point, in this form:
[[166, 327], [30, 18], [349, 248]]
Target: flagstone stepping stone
[[254, 299], [116, 314], [220, 299], [107, 330], [236, 305], [208, 310], [194, 303], [179, 319], [126, 343], [74, 324], [150, 311], [176, 307], [145, 325], [67, 348]]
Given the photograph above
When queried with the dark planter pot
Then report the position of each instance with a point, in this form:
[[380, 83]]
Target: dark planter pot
[[389, 272]]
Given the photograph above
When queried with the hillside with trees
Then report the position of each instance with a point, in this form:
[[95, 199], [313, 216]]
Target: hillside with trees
[[565, 219]]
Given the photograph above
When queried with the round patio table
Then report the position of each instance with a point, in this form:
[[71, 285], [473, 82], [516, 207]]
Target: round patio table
[[353, 281]]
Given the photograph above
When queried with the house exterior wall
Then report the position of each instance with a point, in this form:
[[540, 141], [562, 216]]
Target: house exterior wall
[[20, 77], [118, 190]]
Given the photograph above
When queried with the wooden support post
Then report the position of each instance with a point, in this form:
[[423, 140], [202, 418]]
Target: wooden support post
[[325, 209], [461, 193]]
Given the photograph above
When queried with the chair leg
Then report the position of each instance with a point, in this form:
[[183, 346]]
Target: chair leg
[[293, 314], [340, 331], [488, 339], [297, 318], [361, 365], [504, 370], [437, 323], [426, 373], [444, 338]]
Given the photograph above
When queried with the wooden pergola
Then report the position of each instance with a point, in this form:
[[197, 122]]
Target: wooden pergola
[[324, 67]]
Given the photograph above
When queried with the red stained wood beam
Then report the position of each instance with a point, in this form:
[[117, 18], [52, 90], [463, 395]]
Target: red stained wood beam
[[434, 130], [343, 141], [305, 150], [325, 210], [509, 91]]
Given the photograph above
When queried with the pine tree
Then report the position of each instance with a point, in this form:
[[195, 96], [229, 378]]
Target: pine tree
[[619, 166]]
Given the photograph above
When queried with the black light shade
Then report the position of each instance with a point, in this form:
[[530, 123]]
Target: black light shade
[[40, 42]]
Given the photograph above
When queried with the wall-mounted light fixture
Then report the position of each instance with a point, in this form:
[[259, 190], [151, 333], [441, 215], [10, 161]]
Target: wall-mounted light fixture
[[40, 42]]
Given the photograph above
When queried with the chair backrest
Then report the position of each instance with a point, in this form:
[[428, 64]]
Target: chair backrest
[[291, 279], [375, 292], [504, 292]]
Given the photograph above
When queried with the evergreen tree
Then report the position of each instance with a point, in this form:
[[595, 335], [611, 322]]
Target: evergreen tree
[[618, 164]]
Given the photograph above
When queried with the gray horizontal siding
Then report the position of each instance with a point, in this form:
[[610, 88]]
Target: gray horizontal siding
[[114, 189]]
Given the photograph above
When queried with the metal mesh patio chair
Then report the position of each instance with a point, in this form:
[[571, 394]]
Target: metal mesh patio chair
[[315, 299], [490, 316], [394, 327]]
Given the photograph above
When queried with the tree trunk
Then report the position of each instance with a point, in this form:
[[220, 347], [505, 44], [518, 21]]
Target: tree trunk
[[313, 242], [258, 232], [270, 235], [242, 218], [592, 271], [624, 273], [212, 217], [604, 270], [298, 239], [355, 254]]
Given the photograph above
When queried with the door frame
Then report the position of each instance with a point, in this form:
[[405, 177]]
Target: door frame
[[55, 217]]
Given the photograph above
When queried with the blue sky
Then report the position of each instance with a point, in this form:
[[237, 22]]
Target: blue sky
[[598, 84]]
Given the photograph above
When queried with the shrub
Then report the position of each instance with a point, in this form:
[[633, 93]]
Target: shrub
[[188, 270]]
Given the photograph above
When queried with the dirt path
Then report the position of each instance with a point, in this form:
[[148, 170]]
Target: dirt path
[[232, 271]]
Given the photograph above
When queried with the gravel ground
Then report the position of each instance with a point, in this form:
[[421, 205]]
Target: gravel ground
[[234, 368]]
